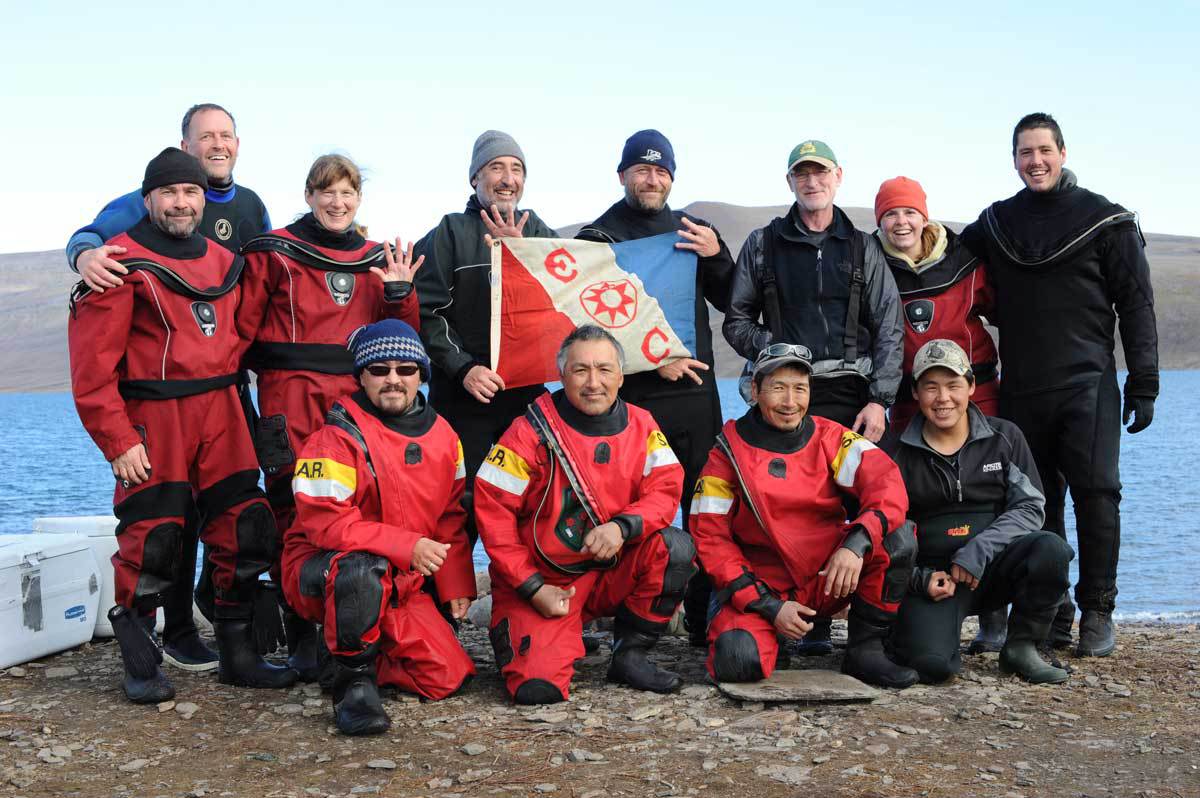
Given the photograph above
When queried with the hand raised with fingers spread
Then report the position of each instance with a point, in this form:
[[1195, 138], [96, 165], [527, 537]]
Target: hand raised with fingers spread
[[500, 226], [400, 266]]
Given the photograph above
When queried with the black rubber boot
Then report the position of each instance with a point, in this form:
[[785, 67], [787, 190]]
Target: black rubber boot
[[188, 652], [865, 658], [630, 664], [1096, 635], [818, 642], [144, 682], [1060, 627], [1021, 657], [302, 645], [993, 629], [357, 708], [241, 664]]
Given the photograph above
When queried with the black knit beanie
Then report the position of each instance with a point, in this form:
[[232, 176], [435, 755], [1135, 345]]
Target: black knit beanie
[[171, 166]]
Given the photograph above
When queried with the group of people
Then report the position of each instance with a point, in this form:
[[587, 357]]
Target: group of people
[[376, 493]]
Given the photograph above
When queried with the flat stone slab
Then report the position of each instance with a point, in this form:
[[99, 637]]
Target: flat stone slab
[[802, 686]]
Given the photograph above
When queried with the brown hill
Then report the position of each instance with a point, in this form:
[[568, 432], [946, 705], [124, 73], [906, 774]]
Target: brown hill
[[34, 288]]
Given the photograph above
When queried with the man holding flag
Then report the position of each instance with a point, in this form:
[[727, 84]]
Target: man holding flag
[[680, 394], [454, 291]]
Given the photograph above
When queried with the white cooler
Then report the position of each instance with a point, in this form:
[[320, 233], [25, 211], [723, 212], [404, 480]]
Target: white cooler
[[49, 595], [101, 534]]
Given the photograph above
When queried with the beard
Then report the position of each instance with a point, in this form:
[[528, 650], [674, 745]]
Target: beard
[[393, 402], [178, 225], [646, 201]]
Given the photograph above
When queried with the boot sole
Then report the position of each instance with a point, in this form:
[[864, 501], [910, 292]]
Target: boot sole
[[1080, 651], [1011, 672], [194, 667]]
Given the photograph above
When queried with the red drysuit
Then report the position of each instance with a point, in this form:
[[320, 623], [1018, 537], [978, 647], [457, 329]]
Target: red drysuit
[[946, 297], [532, 525], [155, 361], [367, 488], [305, 290], [797, 486]]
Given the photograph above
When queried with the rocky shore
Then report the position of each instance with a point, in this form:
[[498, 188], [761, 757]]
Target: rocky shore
[[1127, 725]]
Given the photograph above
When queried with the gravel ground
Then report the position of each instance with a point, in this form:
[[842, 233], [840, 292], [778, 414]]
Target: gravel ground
[[1127, 725]]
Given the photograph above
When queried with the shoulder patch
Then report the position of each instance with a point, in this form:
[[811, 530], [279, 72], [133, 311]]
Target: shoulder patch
[[505, 469], [849, 456], [713, 495], [658, 452], [324, 478]]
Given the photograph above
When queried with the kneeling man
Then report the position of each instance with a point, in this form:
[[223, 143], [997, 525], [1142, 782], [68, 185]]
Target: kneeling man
[[574, 506], [770, 527], [379, 508], [974, 493]]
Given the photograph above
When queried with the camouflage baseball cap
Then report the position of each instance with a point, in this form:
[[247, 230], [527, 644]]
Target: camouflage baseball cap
[[941, 353], [812, 150]]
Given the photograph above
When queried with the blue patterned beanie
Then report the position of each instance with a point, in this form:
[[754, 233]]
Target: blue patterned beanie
[[390, 339]]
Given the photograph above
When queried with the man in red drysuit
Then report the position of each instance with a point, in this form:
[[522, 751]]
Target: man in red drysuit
[[770, 527], [154, 366], [574, 506], [378, 509]]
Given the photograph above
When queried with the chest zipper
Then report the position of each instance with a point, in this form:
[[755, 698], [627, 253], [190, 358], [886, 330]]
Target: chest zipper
[[821, 291]]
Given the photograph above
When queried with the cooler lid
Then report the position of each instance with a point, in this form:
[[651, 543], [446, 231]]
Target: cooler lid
[[30, 549]]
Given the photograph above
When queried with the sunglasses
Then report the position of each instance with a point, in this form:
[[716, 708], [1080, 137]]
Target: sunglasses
[[403, 370], [784, 350]]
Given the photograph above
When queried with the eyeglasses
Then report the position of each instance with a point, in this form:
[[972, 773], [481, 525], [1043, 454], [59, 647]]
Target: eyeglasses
[[802, 175], [784, 350], [403, 370]]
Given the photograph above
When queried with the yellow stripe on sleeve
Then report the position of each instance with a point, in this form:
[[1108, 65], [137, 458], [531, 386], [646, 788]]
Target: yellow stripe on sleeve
[[713, 495], [325, 478], [505, 469], [849, 457]]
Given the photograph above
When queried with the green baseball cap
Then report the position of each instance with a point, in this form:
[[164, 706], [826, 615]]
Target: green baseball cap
[[812, 150]]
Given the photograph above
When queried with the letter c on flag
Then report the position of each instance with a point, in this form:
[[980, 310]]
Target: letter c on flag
[[559, 263], [654, 333]]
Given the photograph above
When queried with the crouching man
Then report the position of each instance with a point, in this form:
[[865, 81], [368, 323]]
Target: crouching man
[[574, 506], [770, 527], [974, 493], [378, 509], [154, 365]]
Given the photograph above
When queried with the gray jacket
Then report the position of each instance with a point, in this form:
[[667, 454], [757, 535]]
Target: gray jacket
[[812, 274]]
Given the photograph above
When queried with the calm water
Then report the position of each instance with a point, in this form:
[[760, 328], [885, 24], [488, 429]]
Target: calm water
[[64, 474]]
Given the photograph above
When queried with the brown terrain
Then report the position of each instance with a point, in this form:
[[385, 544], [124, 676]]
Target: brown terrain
[[34, 288], [1127, 725]]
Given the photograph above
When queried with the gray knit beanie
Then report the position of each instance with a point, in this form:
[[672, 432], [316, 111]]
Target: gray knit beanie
[[490, 145]]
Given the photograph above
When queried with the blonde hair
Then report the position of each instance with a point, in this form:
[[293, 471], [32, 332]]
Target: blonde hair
[[329, 169]]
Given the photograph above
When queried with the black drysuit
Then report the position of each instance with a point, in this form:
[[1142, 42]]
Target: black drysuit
[[1068, 267]]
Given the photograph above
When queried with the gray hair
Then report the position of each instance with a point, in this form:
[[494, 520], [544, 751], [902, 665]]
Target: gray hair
[[195, 109], [589, 332]]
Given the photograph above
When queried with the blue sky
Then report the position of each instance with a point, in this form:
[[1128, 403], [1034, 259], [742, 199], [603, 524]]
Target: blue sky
[[930, 90]]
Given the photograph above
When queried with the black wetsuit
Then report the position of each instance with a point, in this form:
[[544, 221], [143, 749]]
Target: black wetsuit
[[982, 509], [687, 413], [1068, 267]]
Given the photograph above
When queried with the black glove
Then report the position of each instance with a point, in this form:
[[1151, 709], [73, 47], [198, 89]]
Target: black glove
[[1139, 407], [268, 620]]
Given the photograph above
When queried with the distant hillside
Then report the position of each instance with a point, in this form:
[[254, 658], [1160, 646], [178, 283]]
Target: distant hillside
[[34, 288]]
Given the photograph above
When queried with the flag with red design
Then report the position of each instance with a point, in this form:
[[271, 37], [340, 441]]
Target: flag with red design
[[643, 292]]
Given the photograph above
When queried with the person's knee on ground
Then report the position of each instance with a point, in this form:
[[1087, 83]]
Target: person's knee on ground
[[537, 691], [736, 657]]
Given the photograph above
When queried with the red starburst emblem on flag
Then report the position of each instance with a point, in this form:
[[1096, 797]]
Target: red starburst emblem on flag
[[611, 304]]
